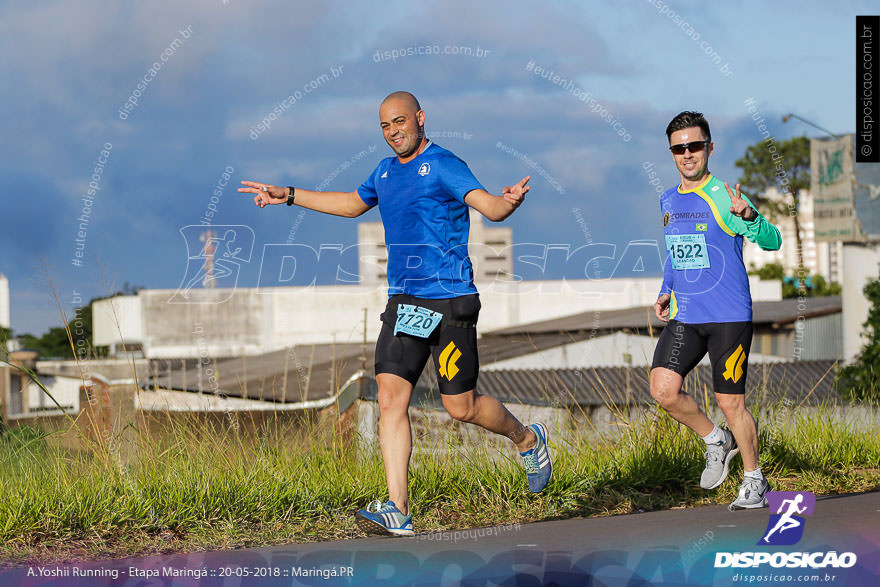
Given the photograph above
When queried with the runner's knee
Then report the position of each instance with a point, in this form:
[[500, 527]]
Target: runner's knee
[[663, 393], [731, 403], [463, 411], [667, 397], [393, 399]]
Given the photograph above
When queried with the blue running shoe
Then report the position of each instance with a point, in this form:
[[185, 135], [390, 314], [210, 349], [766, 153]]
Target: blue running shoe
[[537, 461], [385, 519]]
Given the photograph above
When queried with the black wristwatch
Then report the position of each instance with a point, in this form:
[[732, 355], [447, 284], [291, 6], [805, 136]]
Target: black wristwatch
[[290, 196], [752, 219]]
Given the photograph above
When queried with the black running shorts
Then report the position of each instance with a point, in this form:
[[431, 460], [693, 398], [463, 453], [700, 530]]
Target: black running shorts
[[681, 346], [452, 344]]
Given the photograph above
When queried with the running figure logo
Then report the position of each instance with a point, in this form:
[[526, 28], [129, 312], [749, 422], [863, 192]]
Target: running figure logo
[[214, 257], [786, 526]]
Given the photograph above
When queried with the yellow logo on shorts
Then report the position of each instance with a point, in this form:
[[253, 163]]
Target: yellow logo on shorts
[[733, 365], [447, 361]]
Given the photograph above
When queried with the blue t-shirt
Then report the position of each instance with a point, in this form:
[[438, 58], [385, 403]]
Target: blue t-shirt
[[704, 273], [426, 222]]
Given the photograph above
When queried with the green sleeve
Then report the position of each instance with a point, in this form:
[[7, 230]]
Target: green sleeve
[[759, 230]]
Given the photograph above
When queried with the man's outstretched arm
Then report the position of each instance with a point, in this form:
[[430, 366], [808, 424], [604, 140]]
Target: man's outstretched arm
[[497, 208], [348, 204]]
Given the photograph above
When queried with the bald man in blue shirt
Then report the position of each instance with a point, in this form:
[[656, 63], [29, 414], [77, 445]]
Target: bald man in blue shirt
[[423, 193]]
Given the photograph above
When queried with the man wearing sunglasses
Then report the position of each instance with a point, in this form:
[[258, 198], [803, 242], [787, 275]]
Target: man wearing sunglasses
[[706, 303]]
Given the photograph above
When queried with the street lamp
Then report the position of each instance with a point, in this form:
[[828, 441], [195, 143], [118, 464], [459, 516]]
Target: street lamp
[[790, 115]]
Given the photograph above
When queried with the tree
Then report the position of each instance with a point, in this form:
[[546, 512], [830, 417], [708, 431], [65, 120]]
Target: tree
[[822, 288], [5, 335], [53, 344], [769, 271], [56, 342], [786, 166], [861, 379]]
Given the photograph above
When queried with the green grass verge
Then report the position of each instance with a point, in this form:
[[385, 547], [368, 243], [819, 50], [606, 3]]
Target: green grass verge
[[205, 488]]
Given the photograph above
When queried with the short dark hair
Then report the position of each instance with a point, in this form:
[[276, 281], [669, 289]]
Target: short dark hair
[[688, 119]]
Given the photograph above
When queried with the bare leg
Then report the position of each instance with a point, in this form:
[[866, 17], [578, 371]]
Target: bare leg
[[742, 425], [395, 436], [489, 413], [666, 389]]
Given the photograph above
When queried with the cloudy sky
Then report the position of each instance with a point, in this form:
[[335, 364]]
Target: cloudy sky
[[222, 67]]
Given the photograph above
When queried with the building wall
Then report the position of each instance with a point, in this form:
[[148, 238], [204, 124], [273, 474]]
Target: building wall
[[24, 398], [115, 319], [861, 266], [611, 350], [823, 258], [822, 338], [219, 323], [249, 321], [5, 380], [65, 390]]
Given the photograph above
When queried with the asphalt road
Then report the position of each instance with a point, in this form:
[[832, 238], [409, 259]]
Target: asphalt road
[[674, 547]]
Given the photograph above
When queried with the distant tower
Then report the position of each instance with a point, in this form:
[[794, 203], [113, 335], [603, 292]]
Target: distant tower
[[208, 252], [4, 301]]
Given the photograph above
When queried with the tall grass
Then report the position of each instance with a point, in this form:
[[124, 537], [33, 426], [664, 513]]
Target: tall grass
[[201, 485]]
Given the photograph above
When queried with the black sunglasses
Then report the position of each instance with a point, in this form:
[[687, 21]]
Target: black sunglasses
[[694, 147]]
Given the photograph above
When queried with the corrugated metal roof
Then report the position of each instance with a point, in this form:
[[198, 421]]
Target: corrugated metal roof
[[316, 371], [787, 311], [800, 382], [303, 373]]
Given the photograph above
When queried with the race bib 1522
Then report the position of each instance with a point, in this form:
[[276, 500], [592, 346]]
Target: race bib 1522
[[688, 251]]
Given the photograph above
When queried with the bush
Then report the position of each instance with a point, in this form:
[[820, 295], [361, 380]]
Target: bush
[[861, 380]]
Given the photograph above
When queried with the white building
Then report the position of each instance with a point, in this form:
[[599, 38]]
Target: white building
[[861, 262], [824, 258], [4, 301], [252, 321], [489, 248]]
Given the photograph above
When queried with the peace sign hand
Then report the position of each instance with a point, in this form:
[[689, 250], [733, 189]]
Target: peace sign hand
[[266, 193], [738, 206]]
